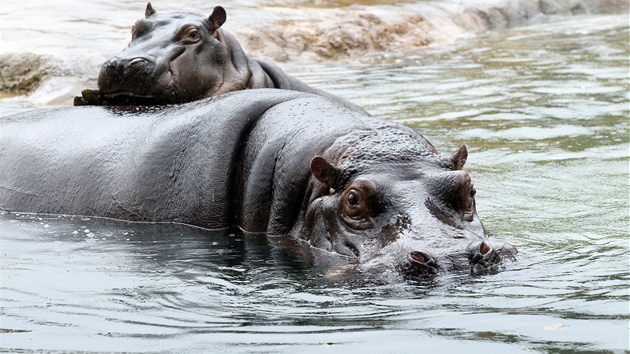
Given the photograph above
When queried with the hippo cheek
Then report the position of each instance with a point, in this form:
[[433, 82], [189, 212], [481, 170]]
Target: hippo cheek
[[323, 229], [314, 228], [189, 82], [167, 84]]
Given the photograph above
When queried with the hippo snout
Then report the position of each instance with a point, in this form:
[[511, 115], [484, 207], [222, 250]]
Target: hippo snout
[[125, 75], [121, 66], [478, 257]]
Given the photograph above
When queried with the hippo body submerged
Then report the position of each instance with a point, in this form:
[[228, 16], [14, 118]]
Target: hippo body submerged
[[265, 161], [182, 57]]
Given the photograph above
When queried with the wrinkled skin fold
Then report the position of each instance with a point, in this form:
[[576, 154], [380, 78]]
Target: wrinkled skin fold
[[182, 57], [266, 161]]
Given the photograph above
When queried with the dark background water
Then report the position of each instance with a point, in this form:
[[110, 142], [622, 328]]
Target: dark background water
[[544, 111]]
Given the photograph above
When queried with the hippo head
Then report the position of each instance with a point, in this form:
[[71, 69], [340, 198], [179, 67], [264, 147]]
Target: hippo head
[[172, 58], [402, 207]]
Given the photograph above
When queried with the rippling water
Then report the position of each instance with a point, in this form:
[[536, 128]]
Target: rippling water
[[544, 111]]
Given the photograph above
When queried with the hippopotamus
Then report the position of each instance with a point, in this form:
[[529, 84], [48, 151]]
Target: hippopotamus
[[266, 161], [182, 57]]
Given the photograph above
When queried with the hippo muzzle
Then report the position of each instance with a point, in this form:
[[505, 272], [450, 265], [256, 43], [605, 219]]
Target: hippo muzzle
[[479, 257], [135, 75]]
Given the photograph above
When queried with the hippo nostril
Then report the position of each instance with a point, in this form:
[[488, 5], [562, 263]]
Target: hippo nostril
[[418, 257], [421, 264], [484, 248], [483, 256], [137, 61], [422, 258]]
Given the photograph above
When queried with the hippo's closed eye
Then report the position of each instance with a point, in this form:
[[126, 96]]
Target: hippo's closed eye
[[359, 203]]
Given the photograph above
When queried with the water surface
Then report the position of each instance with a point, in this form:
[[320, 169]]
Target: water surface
[[544, 112]]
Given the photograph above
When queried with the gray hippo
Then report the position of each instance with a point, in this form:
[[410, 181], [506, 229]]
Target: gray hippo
[[181, 57], [264, 161]]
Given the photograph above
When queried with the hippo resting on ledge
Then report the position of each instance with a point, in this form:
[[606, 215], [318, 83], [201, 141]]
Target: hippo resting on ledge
[[182, 57], [265, 161]]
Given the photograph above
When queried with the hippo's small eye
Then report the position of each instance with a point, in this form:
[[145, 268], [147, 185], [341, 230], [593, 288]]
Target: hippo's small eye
[[189, 34], [354, 204], [193, 34], [353, 198], [359, 203]]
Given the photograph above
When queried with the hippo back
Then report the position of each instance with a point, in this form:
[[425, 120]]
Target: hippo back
[[191, 163]]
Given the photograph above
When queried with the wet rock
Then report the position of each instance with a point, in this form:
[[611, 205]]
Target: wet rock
[[21, 73], [348, 32], [330, 39]]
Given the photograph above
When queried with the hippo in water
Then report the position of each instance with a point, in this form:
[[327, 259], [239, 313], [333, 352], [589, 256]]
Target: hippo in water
[[182, 57], [264, 161]]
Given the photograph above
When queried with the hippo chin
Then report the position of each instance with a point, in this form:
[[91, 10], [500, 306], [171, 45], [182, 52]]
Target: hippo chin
[[266, 161], [182, 57]]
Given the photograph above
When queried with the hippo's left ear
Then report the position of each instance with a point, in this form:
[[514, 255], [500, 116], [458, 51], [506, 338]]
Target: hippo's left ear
[[217, 19], [459, 158], [324, 171], [149, 11]]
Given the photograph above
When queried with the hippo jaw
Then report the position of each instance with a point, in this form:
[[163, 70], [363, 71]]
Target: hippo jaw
[[386, 222]]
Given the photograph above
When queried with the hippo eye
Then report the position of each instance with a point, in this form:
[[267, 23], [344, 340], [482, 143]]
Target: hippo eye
[[189, 34], [353, 204], [193, 34], [359, 203], [353, 198]]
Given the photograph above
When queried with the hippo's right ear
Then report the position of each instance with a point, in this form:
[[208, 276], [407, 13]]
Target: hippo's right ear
[[217, 19], [149, 11], [324, 171], [460, 157]]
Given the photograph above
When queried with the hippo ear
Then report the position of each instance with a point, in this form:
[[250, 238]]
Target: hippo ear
[[149, 11], [460, 157], [217, 19], [455, 188], [324, 171]]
